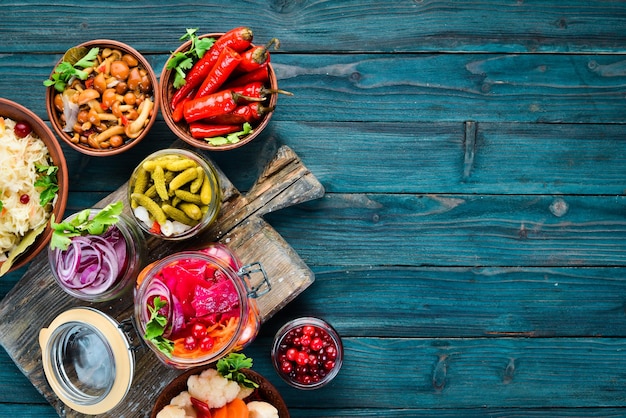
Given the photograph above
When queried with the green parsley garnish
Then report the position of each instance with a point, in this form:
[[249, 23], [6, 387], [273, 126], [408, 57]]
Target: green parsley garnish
[[82, 225], [182, 61], [48, 183], [231, 138], [156, 326], [67, 69], [230, 366]]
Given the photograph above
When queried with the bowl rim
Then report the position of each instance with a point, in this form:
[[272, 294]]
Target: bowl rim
[[52, 114], [166, 112], [58, 158], [268, 391]]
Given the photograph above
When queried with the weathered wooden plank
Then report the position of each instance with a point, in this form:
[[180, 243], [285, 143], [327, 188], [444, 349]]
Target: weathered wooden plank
[[449, 302], [438, 87], [457, 230], [509, 158], [460, 373], [345, 26]]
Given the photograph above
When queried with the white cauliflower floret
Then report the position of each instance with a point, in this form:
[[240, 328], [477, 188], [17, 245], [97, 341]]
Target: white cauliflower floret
[[212, 388], [183, 401], [260, 409], [171, 411]]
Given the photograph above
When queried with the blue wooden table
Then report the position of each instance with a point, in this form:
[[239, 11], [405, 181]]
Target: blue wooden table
[[471, 244]]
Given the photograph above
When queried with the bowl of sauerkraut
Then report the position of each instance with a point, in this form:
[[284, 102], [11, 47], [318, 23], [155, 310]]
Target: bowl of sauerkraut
[[33, 184]]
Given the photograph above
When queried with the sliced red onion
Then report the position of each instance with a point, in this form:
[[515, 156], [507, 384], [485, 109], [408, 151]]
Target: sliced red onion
[[92, 264]]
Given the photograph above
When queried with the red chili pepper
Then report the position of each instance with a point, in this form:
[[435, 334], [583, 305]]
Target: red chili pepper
[[257, 56], [156, 228], [251, 113], [256, 89], [177, 112], [215, 104], [228, 60], [201, 130], [238, 39], [260, 74], [201, 408]]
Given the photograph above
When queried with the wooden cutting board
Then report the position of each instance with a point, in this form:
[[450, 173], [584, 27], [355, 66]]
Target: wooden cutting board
[[36, 299]]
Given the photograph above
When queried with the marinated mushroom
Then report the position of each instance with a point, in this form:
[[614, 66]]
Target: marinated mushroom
[[112, 106]]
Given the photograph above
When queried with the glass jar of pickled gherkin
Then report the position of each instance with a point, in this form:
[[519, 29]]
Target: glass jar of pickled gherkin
[[174, 194]]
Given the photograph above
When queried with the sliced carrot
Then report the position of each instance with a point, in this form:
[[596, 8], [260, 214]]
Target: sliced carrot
[[220, 412], [237, 408]]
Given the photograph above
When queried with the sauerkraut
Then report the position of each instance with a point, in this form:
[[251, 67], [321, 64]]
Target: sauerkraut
[[20, 199]]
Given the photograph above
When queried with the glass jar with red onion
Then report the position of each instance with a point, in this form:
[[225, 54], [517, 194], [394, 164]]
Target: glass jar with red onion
[[97, 268], [194, 307], [307, 353]]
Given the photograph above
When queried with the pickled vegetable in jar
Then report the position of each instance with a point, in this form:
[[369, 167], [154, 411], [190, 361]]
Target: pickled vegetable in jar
[[195, 307]]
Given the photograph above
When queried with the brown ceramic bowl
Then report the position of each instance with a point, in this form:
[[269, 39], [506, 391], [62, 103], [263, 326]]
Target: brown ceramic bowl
[[181, 129], [265, 392], [17, 112], [131, 136]]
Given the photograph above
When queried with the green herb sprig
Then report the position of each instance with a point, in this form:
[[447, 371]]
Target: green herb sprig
[[230, 366], [48, 183], [82, 225], [66, 70], [183, 61], [231, 138], [156, 326]]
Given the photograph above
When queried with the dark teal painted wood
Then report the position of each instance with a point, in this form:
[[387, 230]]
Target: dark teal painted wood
[[357, 230], [412, 88], [345, 26], [473, 159]]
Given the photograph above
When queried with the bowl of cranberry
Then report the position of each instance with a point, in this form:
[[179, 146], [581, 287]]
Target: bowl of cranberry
[[307, 353], [219, 90]]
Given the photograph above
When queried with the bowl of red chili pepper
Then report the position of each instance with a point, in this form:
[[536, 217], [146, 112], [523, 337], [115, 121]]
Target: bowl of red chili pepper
[[219, 90], [101, 97]]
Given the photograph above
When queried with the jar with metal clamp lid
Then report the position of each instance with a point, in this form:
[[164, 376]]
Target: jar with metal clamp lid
[[194, 307]]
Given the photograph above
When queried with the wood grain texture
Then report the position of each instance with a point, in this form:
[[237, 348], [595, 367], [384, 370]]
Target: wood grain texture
[[339, 27], [470, 246]]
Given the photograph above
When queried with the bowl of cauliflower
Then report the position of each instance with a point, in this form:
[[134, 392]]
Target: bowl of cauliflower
[[228, 389]]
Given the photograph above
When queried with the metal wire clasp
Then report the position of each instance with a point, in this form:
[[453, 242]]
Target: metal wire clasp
[[255, 289]]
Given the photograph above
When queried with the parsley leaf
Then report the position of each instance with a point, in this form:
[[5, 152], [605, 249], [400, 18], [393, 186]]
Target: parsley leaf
[[64, 72], [182, 61], [231, 138], [82, 225], [48, 182], [1, 205], [230, 366], [155, 327]]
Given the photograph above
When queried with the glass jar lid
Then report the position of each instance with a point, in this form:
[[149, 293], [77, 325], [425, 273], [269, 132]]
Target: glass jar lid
[[87, 359]]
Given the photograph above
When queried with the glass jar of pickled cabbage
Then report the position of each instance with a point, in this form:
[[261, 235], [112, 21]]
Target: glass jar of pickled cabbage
[[194, 307]]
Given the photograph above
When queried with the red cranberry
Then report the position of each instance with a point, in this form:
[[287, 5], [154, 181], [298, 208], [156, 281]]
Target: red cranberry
[[24, 199], [306, 354], [198, 331], [190, 343], [207, 343], [22, 129]]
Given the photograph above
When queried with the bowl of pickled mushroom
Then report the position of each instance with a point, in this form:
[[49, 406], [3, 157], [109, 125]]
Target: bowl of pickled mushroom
[[227, 98], [101, 97], [33, 184]]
